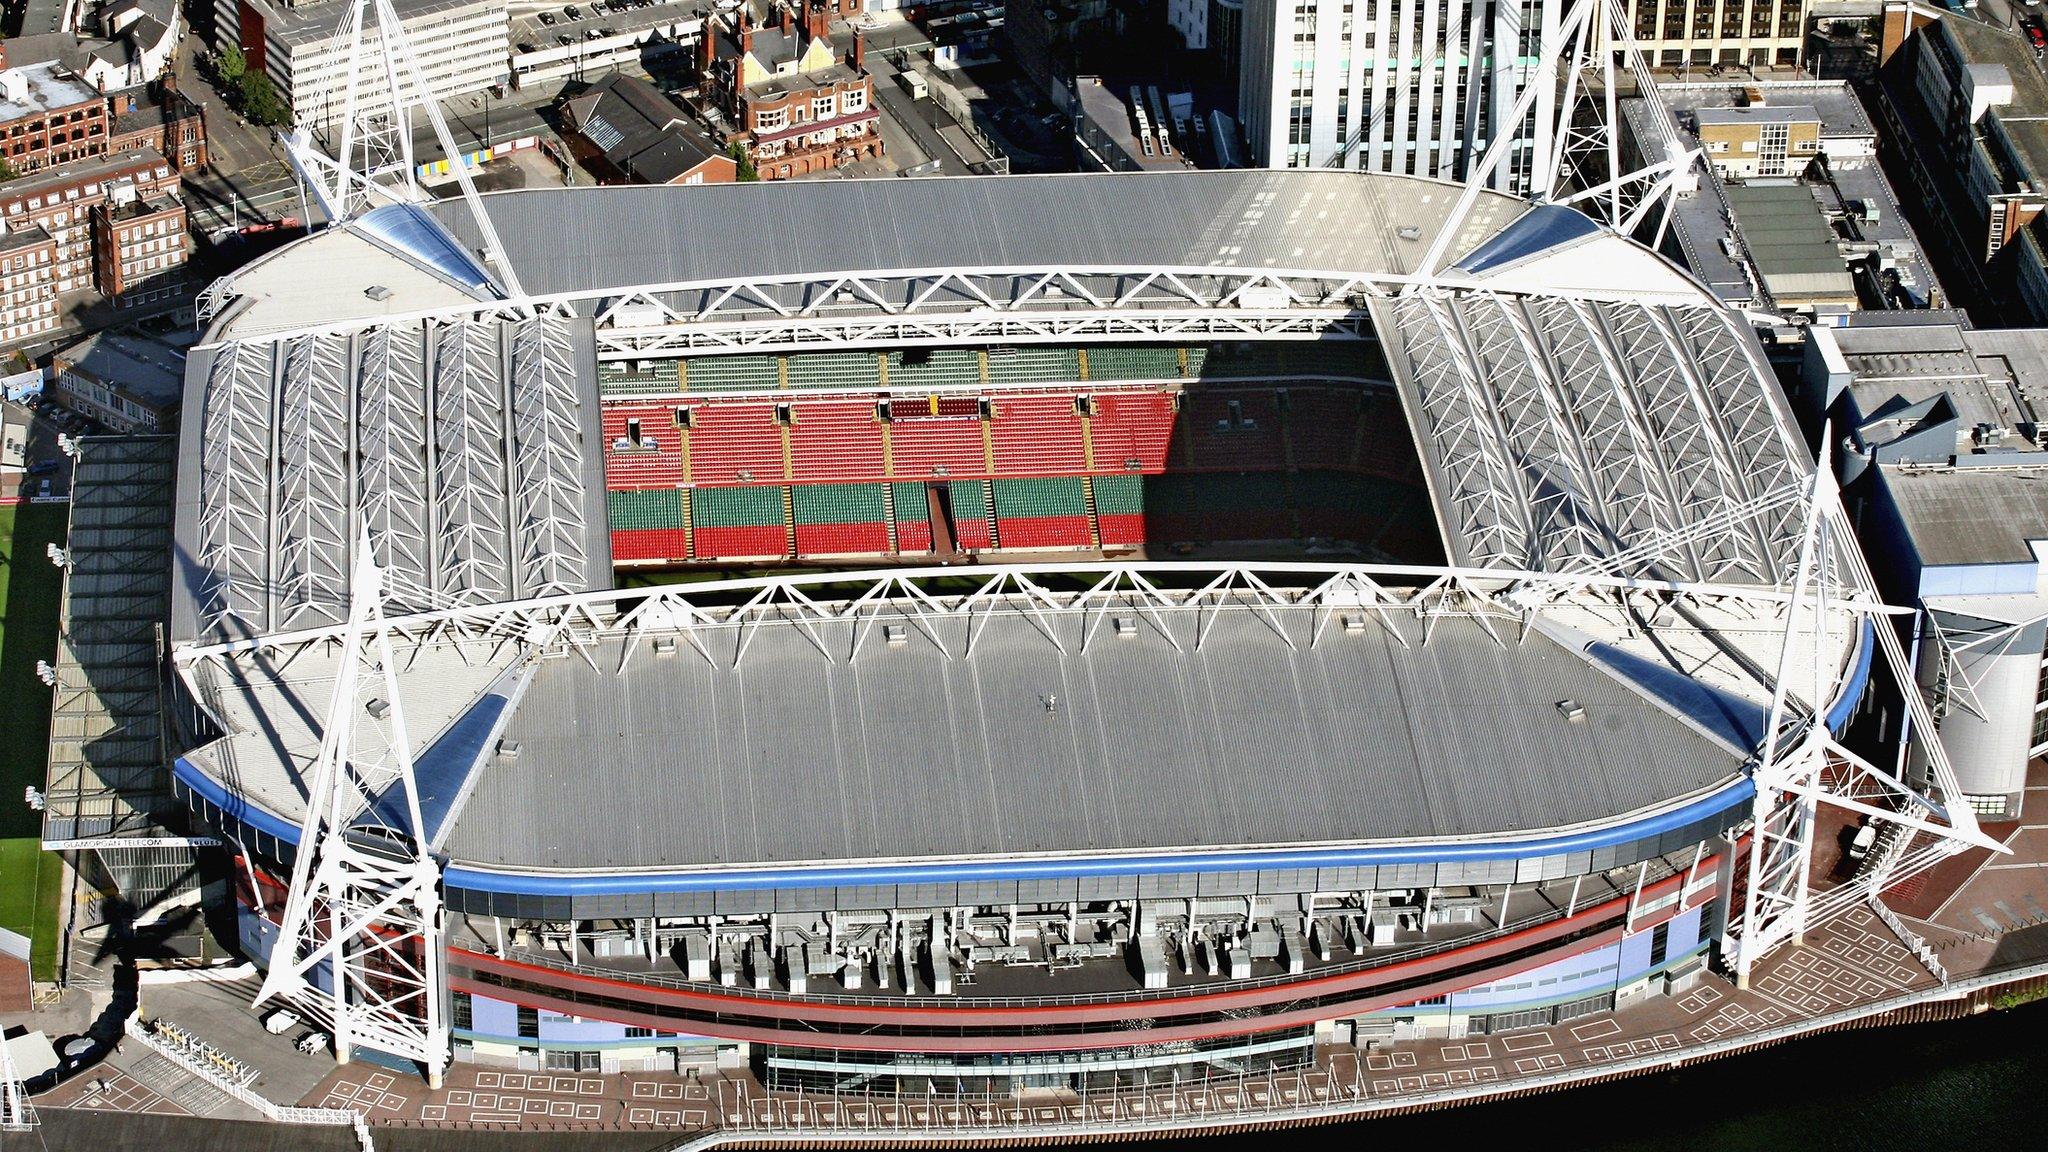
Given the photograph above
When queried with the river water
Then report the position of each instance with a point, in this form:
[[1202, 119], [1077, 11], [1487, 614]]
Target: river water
[[1979, 1084]]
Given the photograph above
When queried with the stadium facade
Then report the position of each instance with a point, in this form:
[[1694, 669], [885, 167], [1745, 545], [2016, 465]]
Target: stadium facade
[[1135, 625]]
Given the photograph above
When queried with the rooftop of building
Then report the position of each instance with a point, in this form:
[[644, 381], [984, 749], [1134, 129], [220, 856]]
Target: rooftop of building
[[2024, 121], [64, 174], [640, 131], [147, 369], [837, 72], [1107, 106], [1833, 102], [1980, 515], [46, 86], [17, 236], [1758, 114], [142, 207], [1788, 238], [310, 24]]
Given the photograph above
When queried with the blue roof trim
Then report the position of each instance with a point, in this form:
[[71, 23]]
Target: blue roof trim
[[1734, 720], [440, 772], [1736, 793], [232, 807], [1540, 229], [1858, 681], [408, 229]]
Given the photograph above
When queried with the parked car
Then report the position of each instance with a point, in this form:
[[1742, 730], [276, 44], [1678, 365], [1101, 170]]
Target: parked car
[[43, 467], [547, 18], [43, 489]]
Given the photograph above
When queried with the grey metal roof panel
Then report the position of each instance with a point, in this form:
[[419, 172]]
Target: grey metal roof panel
[[1971, 516], [902, 752], [561, 240], [292, 448]]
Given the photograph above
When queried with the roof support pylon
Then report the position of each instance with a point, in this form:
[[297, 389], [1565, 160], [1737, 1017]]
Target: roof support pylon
[[1574, 97], [360, 943], [374, 163], [1801, 766]]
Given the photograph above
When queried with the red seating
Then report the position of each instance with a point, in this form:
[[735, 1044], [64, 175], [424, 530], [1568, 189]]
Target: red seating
[[747, 542], [1131, 426], [1122, 528], [932, 446], [842, 539], [627, 467], [1038, 436], [836, 439], [650, 544], [735, 443]]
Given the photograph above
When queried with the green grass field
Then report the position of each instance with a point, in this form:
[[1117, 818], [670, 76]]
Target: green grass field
[[30, 590]]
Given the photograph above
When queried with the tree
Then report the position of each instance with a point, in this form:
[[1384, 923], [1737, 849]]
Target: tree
[[232, 67], [746, 172], [260, 101], [8, 171]]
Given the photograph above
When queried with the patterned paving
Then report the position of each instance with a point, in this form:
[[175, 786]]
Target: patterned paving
[[116, 1091]]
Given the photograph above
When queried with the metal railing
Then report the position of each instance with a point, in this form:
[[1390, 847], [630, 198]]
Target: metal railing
[[180, 1048], [1315, 1095]]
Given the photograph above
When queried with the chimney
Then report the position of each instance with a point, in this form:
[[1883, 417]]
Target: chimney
[[788, 19], [860, 51], [707, 50], [817, 20], [746, 38]]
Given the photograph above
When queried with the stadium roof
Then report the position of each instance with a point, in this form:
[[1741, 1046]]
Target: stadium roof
[[1580, 405], [465, 448], [1020, 748]]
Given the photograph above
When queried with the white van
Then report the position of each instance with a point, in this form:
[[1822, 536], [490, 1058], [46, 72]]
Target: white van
[[281, 1021]]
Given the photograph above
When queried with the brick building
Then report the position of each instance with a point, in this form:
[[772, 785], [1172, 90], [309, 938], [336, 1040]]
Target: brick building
[[139, 250], [162, 118], [797, 105], [114, 225], [28, 293], [48, 116]]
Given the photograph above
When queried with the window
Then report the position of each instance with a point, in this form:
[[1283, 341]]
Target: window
[[853, 100], [766, 121], [459, 1011], [822, 107], [633, 1033], [529, 1023]]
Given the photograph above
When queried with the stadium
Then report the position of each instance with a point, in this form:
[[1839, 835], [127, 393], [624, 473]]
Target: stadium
[[966, 635]]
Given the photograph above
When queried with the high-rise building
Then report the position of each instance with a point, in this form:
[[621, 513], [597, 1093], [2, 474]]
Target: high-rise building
[[1409, 86]]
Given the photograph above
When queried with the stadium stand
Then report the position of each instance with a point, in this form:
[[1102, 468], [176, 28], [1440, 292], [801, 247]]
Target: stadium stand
[[1033, 365], [745, 523], [1120, 509], [738, 443], [853, 370], [912, 517], [731, 373], [928, 367], [1291, 430], [1039, 435], [1050, 512], [948, 444], [971, 522], [649, 524], [1133, 362], [834, 438], [841, 519]]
